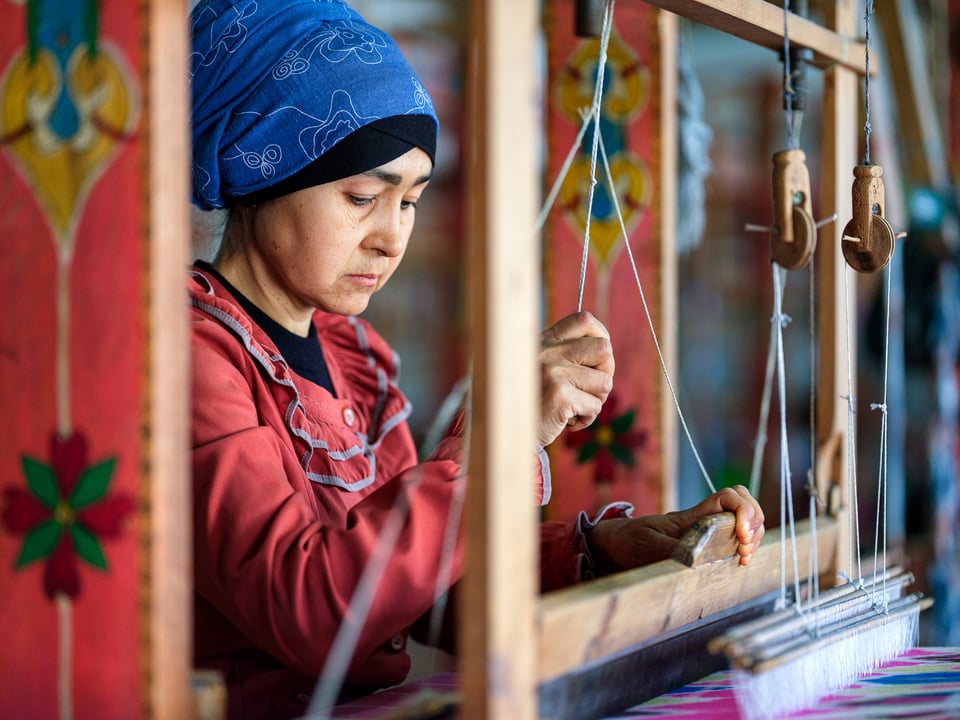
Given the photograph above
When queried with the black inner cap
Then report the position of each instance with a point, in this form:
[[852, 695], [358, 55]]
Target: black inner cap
[[371, 146]]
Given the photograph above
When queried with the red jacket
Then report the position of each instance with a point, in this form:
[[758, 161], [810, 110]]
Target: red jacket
[[292, 487]]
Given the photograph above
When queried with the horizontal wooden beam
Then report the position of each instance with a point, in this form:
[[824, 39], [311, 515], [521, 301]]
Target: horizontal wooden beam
[[589, 622], [761, 23]]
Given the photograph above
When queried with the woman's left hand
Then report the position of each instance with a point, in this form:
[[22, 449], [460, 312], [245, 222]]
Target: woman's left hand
[[624, 543]]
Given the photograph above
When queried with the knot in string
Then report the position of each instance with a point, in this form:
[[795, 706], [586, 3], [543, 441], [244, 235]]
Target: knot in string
[[811, 487], [882, 407], [781, 319], [851, 403]]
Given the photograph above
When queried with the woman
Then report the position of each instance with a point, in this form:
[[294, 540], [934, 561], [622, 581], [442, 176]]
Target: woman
[[312, 129]]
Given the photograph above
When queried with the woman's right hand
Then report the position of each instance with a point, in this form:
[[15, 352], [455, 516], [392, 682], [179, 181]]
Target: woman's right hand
[[576, 374]]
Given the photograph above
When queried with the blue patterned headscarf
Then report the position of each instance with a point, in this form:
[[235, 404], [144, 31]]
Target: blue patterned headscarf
[[278, 83]]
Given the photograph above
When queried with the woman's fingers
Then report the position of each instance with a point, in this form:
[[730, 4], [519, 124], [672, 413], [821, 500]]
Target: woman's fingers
[[749, 517], [576, 360]]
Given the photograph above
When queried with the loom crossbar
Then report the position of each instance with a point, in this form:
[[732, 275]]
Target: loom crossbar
[[616, 613]]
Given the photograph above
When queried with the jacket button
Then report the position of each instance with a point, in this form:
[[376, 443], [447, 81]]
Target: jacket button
[[396, 642], [349, 417]]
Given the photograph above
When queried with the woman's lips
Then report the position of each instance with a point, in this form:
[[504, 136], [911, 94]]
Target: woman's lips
[[365, 280]]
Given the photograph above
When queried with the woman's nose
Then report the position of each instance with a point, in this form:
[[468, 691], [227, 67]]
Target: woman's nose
[[389, 237]]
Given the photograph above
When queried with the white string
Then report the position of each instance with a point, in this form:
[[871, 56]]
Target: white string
[[597, 98], [587, 115], [450, 534], [646, 310], [851, 439], [779, 320], [868, 11], [348, 633], [787, 85], [760, 443], [882, 477], [813, 577]]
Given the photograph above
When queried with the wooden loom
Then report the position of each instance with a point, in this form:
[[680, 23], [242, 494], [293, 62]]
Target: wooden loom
[[527, 656]]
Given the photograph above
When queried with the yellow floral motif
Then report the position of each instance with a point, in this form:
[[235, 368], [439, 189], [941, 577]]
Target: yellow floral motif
[[632, 180], [625, 94], [61, 171], [626, 91]]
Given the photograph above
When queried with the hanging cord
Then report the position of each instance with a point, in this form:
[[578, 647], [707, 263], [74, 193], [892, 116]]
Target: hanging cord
[[794, 76], [852, 440], [882, 476], [760, 442], [596, 150], [451, 532], [597, 99], [813, 575], [646, 310], [868, 12], [587, 116], [354, 618], [780, 320], [787, 80]]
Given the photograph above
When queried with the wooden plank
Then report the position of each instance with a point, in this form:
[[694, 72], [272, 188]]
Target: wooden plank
[[169, 630], [500, 585], [589, 622], [761, 23], [646, 671]]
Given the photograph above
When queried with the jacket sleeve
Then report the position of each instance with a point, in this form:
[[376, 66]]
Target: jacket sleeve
[[564, 555], [265, 554]]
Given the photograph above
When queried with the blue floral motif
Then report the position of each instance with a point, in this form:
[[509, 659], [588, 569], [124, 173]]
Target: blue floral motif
[[421, 98], [201, 178], [266, 161], [342, 39], [228, 41], [293, 63], [342, 119], [277, 84]]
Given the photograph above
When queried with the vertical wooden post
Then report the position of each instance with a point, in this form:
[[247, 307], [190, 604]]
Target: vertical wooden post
[[667, 230], [169, 602], [839, 156], [500, 587]]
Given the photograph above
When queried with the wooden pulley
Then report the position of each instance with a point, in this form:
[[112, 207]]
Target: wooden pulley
[[794, 235], [868, 240]]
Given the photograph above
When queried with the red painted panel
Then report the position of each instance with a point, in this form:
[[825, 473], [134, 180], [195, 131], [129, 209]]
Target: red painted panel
[[72, 382], [619, 457]]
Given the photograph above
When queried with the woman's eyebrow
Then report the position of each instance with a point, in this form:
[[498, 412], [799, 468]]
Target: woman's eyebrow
[[394, 178]]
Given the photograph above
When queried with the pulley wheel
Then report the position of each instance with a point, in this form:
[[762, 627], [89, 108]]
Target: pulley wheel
[[873, 255], [795, 255]]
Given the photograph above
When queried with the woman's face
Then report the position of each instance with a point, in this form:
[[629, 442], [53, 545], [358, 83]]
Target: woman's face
[[332, 246]]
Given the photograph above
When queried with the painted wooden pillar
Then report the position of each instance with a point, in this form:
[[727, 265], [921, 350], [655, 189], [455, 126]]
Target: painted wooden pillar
[[629, 453], [94, 570]]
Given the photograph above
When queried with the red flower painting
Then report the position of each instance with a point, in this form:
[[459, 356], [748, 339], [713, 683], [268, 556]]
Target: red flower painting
[[64, 513], [610, 440]]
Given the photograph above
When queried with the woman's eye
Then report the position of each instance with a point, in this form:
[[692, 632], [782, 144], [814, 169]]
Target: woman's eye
[[408, 204], [360, 201]]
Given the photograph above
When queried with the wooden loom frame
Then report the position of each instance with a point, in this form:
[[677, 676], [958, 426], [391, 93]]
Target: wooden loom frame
[[514, 641]]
